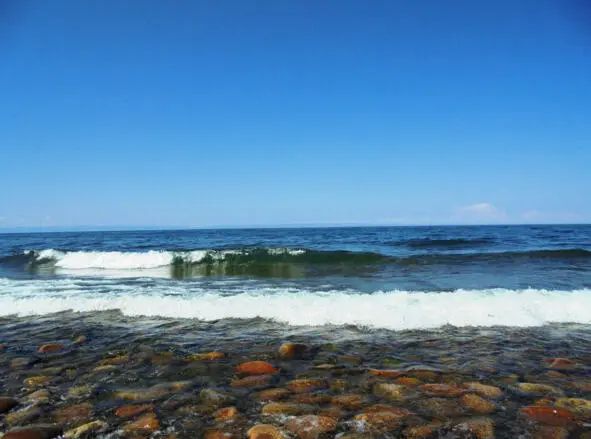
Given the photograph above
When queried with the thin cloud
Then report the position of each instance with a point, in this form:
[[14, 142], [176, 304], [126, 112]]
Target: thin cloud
[[480, 212]]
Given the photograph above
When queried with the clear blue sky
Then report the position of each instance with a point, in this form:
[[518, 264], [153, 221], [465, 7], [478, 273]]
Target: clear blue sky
[[206, 113]]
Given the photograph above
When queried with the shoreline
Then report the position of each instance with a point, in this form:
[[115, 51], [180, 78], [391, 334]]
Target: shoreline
[[166, 379]]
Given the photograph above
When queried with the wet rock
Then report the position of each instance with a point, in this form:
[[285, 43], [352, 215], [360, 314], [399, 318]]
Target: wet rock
[[23, 416], [105, 368], [85, 429], [408, 381], [388, 373], [477, 404], [216, 433], [40, 396], [350, 401], [114, 361], [21, 362], [333, 412], [80, 339], [144, 425], [226, 413], [155, 392], [255, 368], [214, 398], [128, 411], [534, 390], [441, 390], [208, 356], [34, 432], [553, 416], [51, 348], [423, 374], [484, 389], [576, 405], [311, 426], [561, 363], [338, 385], [478, 428], [7, 404], [37, 381], [287, 408], [311, 398], [291, 351], [381, 421], [424, 431], [441, 407], [274, 394], [349, 359], [545, 432], [253, 381], [265, 431], [81, 391], [73, 414], [304, 385], [390, 391]]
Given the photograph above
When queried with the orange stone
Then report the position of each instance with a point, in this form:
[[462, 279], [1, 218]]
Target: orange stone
[[210, 356], [289, 351], [146, 423], [386, 373], [380, 421], [304, 385], [408, 381], [128, 411], [554, 416], [73, 413], [477, 404], [226, 413], [311, 426], [560, 363], [45, 432], [265, 431], [441, 389], [253, 381], [80, 339], [255, 368], [52, 347], [381, 408], [350, 401], [287, 408]]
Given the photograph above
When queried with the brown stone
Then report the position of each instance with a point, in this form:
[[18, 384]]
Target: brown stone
[[214, 398], [209, 356], [561, 363], [287, 408], [7, 404], [52, 347], [265, 431], [546, 432], [255, 368], [386, 373], [145, 424], [274, 394], [114, 361], [480, 428], [37, 381], [576, 405], [127, 411], [73, 414], [304, 385], [311, 426], [350, 401], [40, 396], [477, 404], [379, 421], [441, 389], [424, 431], [408, 381], [536, 390], [253, 381], [34, 432], [80, 339], [25, 415], [290, 351], [484, 389], [21, 362], [390, 391]]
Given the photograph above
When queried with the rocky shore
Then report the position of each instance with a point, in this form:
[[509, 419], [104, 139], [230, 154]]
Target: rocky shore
[[136, 386]]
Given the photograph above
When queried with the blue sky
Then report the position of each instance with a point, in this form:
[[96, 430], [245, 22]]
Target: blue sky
[[216, 113]]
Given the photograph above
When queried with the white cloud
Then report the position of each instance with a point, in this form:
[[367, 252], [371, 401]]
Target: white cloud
[[479, 213]]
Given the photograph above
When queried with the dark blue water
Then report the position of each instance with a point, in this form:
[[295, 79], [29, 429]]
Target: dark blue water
[[182, 272]]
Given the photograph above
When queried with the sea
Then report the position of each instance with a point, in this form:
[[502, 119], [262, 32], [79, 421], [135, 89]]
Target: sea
[[359, 278]]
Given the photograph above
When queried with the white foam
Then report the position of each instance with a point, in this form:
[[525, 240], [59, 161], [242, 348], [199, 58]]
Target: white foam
[[391, 310], [81, 260]]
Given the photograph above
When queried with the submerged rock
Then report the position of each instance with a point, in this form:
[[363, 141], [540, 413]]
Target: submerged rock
[[554, 416], [287, 408], [34, 432], [85, 429], [145, 424], [390, 391], [477, 404], [291, 351], [7, 404], [52, 347], [311, 426], [265, 431], [255, 368], [484, 389]]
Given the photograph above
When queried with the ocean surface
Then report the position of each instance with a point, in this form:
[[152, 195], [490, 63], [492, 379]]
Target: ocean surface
[[396, 278]]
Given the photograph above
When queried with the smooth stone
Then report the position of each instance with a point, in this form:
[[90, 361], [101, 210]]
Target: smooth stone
[[441, 407], [291, 351], [577, 405], [425, 431], [310, 426], [81, 391], [85, 429], [561, 363], [41, 396], [391, 391], [545, 432], [441, 390], [408, 381], [304, 385], [209, 356], [21, 362], [145, 424], [105, 368], [214, 398], [479, 428], [255, 368], [287, 408], [80, 339], [484, 389], [553, 416], [350, 401], [25, 415], [226, 413], [155, 392], [536, 390], [7, 404], [253, 381], [378, 421], [388, 373], [127, 411], [477, 404], [36, 381], [114, 361], [34, 432], [265, 431], [73, 414], [310, 398], [52, 348], [274, 394]]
